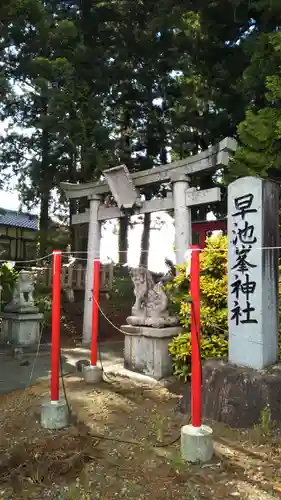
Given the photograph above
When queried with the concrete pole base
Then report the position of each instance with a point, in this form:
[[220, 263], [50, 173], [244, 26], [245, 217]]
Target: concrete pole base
[[54, 415], [92, 374], [196, 443]]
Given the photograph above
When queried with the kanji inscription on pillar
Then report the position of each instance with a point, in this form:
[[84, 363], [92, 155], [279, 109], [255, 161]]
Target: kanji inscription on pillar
[[243, 284], [253, 272]]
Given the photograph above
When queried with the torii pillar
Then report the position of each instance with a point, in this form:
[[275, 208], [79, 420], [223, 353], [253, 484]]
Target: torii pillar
[[94, 240], [182, 216]]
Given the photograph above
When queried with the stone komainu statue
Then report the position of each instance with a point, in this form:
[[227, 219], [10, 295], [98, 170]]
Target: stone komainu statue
[[23, 292], [151, 304]]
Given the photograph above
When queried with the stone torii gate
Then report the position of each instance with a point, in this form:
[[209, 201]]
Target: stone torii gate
[[125, 189]]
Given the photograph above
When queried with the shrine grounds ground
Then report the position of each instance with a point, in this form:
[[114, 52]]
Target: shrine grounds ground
[[78, 464]]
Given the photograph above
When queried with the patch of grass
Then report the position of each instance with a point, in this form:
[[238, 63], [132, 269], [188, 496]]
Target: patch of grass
[[158, 426], [265, 427], [177, 462]]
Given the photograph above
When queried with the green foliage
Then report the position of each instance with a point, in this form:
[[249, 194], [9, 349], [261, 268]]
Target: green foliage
[[8, 276], [82, 91], [122, 285], [214, 314], [260, 132], [213, 285], [215, 346], [57, 236], [94, 92], [44, 304]]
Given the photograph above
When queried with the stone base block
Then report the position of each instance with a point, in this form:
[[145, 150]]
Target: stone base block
[[146, 350], [237, 396], [54, 415], [21, 329], [196, 443], [92, 374]]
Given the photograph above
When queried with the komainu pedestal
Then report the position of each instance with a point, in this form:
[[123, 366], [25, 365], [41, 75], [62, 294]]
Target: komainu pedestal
[[21, 318], [146, 350], [150, 328]]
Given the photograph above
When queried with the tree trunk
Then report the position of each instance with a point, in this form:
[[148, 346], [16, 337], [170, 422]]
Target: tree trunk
[[72, 177], [123, 240], [44, 223], [73, 232], [44, 188], [145, 240], [73, 204]]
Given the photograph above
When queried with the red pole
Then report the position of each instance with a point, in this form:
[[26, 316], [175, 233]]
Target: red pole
[[196, 419], [55, 355], [95, 315]]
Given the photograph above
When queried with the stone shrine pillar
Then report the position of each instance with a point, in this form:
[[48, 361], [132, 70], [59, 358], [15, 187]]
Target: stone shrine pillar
[[253, 235], [182, 216], [94, 237], [236, 391]]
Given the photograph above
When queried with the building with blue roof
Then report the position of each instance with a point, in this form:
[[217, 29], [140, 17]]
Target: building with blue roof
[[18, 235]]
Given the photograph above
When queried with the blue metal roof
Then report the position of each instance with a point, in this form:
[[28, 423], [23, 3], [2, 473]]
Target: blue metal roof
[[21, 220]]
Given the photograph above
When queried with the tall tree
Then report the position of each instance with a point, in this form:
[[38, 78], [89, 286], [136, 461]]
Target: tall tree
[[61, 106], [260, 133], [94, 92]]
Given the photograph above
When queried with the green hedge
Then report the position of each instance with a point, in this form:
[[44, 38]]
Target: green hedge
[[8, 277], [214, 327]]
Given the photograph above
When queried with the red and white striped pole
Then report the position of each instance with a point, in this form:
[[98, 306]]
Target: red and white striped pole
[[55, 413], [93, 373], [196, 439], [95, 314], [56, 307], [196, 382]]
